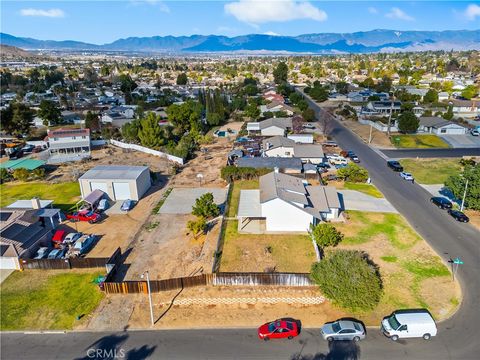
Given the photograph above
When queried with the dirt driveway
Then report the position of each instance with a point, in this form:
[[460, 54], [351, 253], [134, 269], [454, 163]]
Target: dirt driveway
[[379, 139]]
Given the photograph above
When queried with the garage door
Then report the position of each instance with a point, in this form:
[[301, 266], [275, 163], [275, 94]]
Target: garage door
[[99, 185], [121, 191]]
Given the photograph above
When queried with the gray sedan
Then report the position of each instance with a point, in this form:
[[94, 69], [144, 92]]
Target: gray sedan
[[343, 330]]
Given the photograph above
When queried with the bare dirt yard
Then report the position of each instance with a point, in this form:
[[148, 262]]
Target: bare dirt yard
[[379, 139]]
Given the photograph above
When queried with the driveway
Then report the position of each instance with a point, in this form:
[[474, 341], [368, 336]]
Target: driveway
[[181, 200], [355, 200], [462, 141], [439, 190]]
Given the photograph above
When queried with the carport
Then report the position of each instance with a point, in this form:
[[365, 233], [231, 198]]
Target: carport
[[250, 219], [92, 198]]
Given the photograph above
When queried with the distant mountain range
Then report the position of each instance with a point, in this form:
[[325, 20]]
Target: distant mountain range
[[322, 43]]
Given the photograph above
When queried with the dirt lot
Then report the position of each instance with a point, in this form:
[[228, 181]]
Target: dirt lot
[[110, 155], [379, 139]]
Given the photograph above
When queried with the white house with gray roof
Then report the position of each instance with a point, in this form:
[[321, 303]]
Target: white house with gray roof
[[284, 203], [439, 126], [271, 127], [279, 146]]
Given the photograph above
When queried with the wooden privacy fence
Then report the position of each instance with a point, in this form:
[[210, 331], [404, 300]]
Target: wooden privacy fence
[[216, 279]]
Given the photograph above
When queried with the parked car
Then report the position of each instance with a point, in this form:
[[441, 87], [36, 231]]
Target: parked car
[[42, 253], [82, 245], [409, 324], [347, 153], [343, 330], [308, 126], [324, 166], [441, 202], [103, 205], [37, 149], [394, 165], [458, 215], [57, 253], [336, 160], [72, 237], [330, 143], [15, 154], [278, 329], [84, 215], [355, 158], [406, 176], [58, 237], [127, 205], [28, 149], [475, 132]]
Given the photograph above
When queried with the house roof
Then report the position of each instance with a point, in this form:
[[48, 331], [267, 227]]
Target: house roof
[[27, 204], [283, 123], [277, 141], [308, 151], [271, 163], [114, 172], [249, 204], [277, 185], [435, 122], [29, 164], [58, 133]]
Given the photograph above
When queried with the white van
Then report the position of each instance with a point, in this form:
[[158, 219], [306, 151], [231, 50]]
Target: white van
[[409, 324]]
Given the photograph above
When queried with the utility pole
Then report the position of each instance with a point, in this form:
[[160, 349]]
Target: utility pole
[[464, 195], [390, 116], [145, 274], [370, 136]]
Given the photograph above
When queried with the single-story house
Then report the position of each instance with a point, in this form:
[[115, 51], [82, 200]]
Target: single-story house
[[301, 138], [286, 165], [118, 182], [285, 203], [440, 126], [465, 108], [279, 146], [271, 126], [276, 106]]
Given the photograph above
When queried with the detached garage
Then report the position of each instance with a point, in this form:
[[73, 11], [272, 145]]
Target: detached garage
[[118, 182]]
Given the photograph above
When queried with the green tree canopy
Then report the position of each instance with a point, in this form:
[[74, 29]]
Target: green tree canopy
[[17, 119], [470, 92], [150, 132], [325, 234], [456, 184], [408, 122], [431, 96], [353, 173], [182, 79], [280, 73], [205, 207], [50, 113], [349, 279], [92, 121]]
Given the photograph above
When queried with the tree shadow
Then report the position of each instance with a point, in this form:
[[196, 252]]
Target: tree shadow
[[337, 350], [141, 353], [107, 347]]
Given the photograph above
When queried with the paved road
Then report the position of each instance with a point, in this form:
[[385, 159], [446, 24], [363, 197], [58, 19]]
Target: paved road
[[430, 153], [457, 339]]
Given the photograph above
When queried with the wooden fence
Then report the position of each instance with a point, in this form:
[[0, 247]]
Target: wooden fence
[[216, 279]]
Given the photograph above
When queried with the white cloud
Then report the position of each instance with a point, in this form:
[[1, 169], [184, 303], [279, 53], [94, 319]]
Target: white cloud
[[271, 33], [256, 12], [472, 11], [159, 4], [372, 10], [396, 13], [53, 13]]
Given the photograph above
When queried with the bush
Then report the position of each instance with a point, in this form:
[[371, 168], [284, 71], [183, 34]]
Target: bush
[[456, 184], [408, 122], [325, 235], [4, 175], [38, 173], [353, 173], [197, 227], [349, 279], [205, 207], [21, 174], [231, 173]]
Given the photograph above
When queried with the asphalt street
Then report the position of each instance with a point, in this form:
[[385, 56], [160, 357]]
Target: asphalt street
[[457, 337], [430, 153]]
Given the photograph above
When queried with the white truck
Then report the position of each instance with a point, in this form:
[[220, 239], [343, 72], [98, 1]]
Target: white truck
[[409, 324]]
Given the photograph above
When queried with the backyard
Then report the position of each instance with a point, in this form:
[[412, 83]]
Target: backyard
[[432, 171], [368, 189], [418, 141], [64, 195], [48, 299]]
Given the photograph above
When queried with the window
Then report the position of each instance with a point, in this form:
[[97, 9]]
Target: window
[[403, 328], [443, 131], [84, 137], [347, 331], [74, 137]]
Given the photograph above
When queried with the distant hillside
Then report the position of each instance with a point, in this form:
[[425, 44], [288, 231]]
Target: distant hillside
[[8, 52], [323, 43]]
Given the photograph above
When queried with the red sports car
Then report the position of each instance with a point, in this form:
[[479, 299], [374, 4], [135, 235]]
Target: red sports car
[[278, 329], [84, 215]]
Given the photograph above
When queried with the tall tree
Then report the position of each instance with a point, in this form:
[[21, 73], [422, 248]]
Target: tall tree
[[457, 184], [280, 73], [17, 119], [50, 113], [182, 79], [324, 235], [150, 132], [92, 121], [408, 122]]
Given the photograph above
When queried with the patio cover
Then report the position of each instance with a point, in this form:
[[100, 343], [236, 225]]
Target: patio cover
[[94, 196], [249, 204]]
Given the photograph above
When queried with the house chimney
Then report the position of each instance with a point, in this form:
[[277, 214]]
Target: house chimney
[[36, 203]]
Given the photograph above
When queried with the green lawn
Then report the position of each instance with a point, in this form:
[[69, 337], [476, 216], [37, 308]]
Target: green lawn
[[418, 141], [47, 299], [64, 195], [368, 189], [431, 171], [234, 194]]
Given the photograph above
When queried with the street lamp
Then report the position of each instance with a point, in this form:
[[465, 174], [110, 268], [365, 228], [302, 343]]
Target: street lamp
[[145, 275]]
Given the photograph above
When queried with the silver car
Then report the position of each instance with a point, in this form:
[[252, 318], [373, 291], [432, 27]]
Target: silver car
[[343, 330]]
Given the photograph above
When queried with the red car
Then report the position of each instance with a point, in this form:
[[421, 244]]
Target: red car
[[278, 329], [58, 237], [84, 215]]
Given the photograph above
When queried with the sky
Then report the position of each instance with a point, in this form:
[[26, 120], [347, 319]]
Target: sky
[[105, 21]]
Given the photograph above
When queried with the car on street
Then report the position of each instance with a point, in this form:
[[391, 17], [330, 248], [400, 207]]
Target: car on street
[[394, 165], [72, 237], [84, 215], [355, 158], [459, 216], [82, 245], [127, 205], [42, 253], [441, 202], [414, 323], [57, 253], [406, 176], [475, 132], [343, 330], [278, 329]]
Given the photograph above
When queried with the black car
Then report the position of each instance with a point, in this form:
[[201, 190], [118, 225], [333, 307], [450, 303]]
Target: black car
[[459, 216], [441, 202], [394, 165]]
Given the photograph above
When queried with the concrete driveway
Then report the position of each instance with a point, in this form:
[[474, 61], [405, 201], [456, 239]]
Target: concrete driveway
[[462, 141], [181, 200], [355, 200]]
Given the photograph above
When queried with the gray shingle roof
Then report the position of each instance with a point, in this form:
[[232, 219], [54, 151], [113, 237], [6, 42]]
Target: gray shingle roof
[[271, 163], [283, 123]]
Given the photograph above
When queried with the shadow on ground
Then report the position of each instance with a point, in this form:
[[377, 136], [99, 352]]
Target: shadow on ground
[[337, 350]]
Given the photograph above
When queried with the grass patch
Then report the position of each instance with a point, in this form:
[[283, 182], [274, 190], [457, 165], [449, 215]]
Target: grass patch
[[426, 267], [157, 207], [363, 227], [390, 259], [64, 195], [257, 252], [234, 194], [432, 171], [151, 225], [368, 189], [418, 141], [42, 299]]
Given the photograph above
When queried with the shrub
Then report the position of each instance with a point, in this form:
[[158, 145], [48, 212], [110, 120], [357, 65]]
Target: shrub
[[325, 235], [4, 175], [38, 173], [349, 279], [197, 227], [21, 174], [231, 173], [205, 207], [353, 173]]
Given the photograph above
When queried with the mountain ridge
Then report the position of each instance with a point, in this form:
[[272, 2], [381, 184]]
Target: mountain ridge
[[379, 40]]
